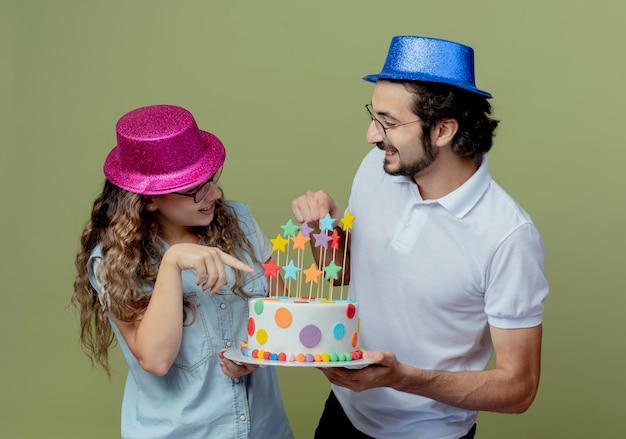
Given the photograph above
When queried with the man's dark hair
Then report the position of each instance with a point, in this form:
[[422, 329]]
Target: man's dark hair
[[435, 102]]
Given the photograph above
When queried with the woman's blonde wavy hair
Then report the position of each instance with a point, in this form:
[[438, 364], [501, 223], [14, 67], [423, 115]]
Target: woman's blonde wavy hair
[[132, 253]]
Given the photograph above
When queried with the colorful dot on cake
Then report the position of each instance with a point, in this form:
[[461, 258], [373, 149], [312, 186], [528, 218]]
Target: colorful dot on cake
[[309, 358], [260, 354], [325, 357], [261, 336], [334, 356], [282, 356], [350, 310], [355, 339], [251, 326], [310, 336], [258, 306], [339, 330], [300, 358], [317, 358], [283, 317]]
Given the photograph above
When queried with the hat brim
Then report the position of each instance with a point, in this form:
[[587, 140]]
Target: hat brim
[[425, 78], [159, 184]]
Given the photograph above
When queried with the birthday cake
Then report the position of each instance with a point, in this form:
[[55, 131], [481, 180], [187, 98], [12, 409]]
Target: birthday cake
[[314, 327], [302, 329]]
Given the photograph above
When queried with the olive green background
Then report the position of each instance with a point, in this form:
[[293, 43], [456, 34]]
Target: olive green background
[[280, 83]]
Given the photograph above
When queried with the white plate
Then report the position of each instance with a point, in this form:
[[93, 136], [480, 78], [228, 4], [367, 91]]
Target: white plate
[[238, 358]]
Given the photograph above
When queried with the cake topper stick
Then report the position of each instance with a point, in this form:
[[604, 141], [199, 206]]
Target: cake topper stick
[[321, 240], [299, 243], [334, 246], [306, 230], [326, 225], [271, 270], [312, 275], [291, 272], [346, 222], [332, 271], [289, 230], [278, 245]]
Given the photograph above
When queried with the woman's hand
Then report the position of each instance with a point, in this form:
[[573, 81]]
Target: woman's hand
[[207, 261], [234, 369]]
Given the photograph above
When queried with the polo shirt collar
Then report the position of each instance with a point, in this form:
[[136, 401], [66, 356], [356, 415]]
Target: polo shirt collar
[[460, 201]]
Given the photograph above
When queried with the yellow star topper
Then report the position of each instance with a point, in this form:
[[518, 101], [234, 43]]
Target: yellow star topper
[[279, 243], [347, 221]]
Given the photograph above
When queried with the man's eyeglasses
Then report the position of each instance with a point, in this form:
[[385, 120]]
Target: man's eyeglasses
[[199, 194], [379, 124]]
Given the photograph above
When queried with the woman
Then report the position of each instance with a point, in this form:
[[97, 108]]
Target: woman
[[166, 266]]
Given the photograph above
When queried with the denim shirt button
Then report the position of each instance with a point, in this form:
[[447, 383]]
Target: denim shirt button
[[242, 418], [222, 305]]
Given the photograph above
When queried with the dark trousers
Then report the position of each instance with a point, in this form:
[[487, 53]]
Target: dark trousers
[[335, 424]]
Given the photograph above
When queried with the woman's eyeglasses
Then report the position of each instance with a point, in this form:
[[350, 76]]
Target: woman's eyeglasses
[[199, 194]]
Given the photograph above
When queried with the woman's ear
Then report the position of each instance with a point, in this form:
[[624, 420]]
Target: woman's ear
[[149, 203], [445, 131]]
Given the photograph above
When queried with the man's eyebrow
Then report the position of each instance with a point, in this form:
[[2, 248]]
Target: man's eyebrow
[[387, 115], [383, 113]]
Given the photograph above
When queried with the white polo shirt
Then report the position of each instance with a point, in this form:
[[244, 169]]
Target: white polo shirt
[[430, 276]]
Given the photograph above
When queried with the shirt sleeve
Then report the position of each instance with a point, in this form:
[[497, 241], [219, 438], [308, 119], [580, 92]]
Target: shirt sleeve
[[516, 281]]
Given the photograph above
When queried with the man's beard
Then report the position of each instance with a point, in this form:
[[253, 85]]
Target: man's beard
[[410, 169]]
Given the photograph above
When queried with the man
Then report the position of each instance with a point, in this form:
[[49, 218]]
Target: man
[[447, 268]]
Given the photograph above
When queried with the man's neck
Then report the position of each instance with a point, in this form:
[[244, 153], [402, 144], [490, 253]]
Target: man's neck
[[445, 175]]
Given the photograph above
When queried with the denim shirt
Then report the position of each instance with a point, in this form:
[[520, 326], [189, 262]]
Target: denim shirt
[[195, 399]]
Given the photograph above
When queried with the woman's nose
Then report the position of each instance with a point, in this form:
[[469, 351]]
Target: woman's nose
[[214, 192]]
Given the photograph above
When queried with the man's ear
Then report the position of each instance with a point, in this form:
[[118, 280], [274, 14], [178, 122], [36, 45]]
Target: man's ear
[[444, 132]]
